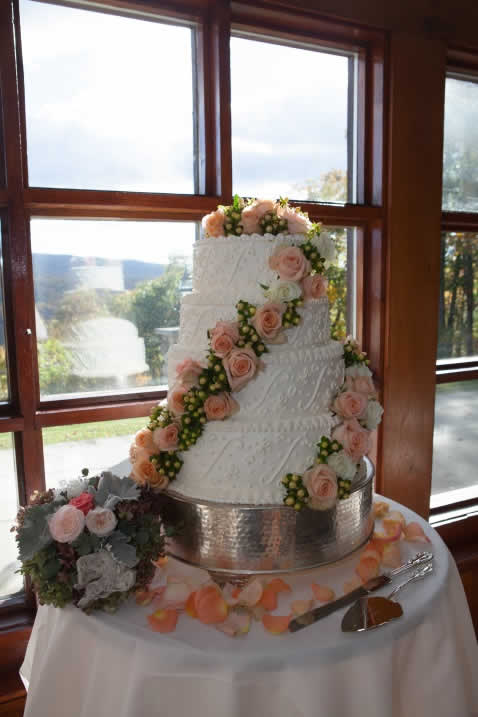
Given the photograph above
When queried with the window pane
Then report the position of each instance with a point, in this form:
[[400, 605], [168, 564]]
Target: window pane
[[4, 392], [454, 475], [292, 124], [10, 582], [458, 314], [109, 101], [107, 300], [460, 151], [96, 446], [342, 290]]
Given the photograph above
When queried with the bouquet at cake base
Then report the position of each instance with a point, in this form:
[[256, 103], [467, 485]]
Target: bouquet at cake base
[[92, 542]]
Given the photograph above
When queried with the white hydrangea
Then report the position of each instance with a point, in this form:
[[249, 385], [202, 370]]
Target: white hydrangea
[[283, 291], [326, 247], [74, 487], [373, 415], [358, 370], [342, 464]]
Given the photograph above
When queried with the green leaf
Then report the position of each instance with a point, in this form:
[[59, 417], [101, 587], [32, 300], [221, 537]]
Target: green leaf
[[122, 549], [86, 543], [112, 490], [51, 569], [35, 533]]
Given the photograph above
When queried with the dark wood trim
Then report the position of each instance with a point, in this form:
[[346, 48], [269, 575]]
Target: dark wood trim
[[220, 23], [86, 414], [3, 198], [460, 221], [112, 399], [178, 10], [470, 374]]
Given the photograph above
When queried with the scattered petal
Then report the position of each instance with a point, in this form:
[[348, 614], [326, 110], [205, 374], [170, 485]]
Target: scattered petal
[[352, 584], [389, 537], [163, 620], [392, 555], [415, 534], [161, 562], [395, 515], [143, 597], [258, 612], [276, 624], [367, 568], [210, 606], [279, 586], [190, 608], [174, 596], [322, 593], [230, 594], [372, 553], [251, 594], [298, 607], [235, 624], [375, 545], [380, 508], [269, 599]]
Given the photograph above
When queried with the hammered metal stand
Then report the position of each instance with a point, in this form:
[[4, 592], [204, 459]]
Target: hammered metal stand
[[236, 541]]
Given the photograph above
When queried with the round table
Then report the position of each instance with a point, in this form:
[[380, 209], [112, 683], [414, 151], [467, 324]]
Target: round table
[[422, 664]]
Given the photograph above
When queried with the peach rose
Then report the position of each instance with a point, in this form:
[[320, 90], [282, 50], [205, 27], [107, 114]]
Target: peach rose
[[321, 484], [167, 438], [224, 337], [241, 365], [296, 223], [213, 224], [253, 213], [267, 322], [159, 482], [350, 404], [101, 521], [144, 472], [144, 440], [176, 399], [314, 287], [354, 438], [220, 406], [290, 263], [188, 372], [361, 384], [137, 454], [66, 524]]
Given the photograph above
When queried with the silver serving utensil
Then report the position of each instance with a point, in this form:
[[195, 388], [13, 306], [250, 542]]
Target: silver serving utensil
[[317, 613], [370, 612]]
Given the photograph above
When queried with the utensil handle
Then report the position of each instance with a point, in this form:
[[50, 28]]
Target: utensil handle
[[417, 575], [418, 559]]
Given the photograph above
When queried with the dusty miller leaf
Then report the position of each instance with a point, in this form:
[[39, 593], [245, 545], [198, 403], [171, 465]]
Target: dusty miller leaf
[[112, 489], [35, 533], [122, 549]]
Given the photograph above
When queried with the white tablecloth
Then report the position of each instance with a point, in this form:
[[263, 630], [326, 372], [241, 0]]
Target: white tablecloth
[[423, 665]]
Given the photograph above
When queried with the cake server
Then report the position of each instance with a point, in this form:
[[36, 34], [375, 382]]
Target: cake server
[[317, 613], [370, 612]]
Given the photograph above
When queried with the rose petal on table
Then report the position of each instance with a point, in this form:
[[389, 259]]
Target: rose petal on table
[[380, 508], [392, 555], [258, 612], [276, 624], [163, 620], [190, 608], [143, 597], [269, 599], [174, 596], [279, 586], [367, 568], [352, 584], [389, 537], [210, 605], [376, 545], [298, 607], [415, 534], [322, 593], [161, 562], [251, 594], [235, 624], [372, 553], [231, 594], [395, 515]]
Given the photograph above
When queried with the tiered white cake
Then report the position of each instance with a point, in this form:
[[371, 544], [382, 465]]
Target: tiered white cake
[[285, 409]]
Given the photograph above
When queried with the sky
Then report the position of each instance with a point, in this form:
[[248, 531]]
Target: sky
[[109, 106]]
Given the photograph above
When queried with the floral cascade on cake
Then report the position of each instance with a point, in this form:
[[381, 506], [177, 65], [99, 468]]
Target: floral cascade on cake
[[255, 349], [91, 543]]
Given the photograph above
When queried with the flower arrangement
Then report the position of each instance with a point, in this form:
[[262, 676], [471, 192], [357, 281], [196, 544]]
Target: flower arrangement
[[91, 543]]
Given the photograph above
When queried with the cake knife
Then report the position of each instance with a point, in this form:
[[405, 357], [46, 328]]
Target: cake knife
[[317, 613]]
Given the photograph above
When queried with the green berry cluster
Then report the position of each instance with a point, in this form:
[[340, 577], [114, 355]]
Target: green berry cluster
[[233, 216], [272, 224], [297, 495], [168, 463], [212, 380], [353, 356], [317, 262], [326, 447], [248, 335], [291, 316], [343, 485]]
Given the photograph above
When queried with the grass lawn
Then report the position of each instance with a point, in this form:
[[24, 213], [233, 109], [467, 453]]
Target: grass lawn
[[84, 431]]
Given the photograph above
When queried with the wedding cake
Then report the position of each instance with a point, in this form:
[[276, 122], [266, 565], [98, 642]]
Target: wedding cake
[[263, 406]]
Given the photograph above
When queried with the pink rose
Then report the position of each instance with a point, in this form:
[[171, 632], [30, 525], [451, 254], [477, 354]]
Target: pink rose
[[241, 365], [188, 372], [176, 399], [220, 406], [83, 502], [144, 440], [224, 337], [350, 404], [361, 384], [144, 473], [267, 322], [136, 453], [314, 287], [101, 521], [253, 213], [296, 223], [354, 438], [321, 484], [66, 524], [213, 224], [290, 263], [167, 438]]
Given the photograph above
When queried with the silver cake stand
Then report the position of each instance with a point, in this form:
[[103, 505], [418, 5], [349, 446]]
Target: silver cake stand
[[234, 542]]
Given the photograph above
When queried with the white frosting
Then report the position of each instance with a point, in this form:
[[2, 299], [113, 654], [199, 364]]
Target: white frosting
[[284, 410]]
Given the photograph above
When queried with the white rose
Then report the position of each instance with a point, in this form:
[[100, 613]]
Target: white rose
[[326, 247], [342, 464], [373, 415], [283, 291], [101, 521], [76, 487], [358, 370]]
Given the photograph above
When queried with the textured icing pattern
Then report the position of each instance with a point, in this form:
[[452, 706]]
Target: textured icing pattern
[[226, 270], [197, 317], [246, 466], [293, 383]]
